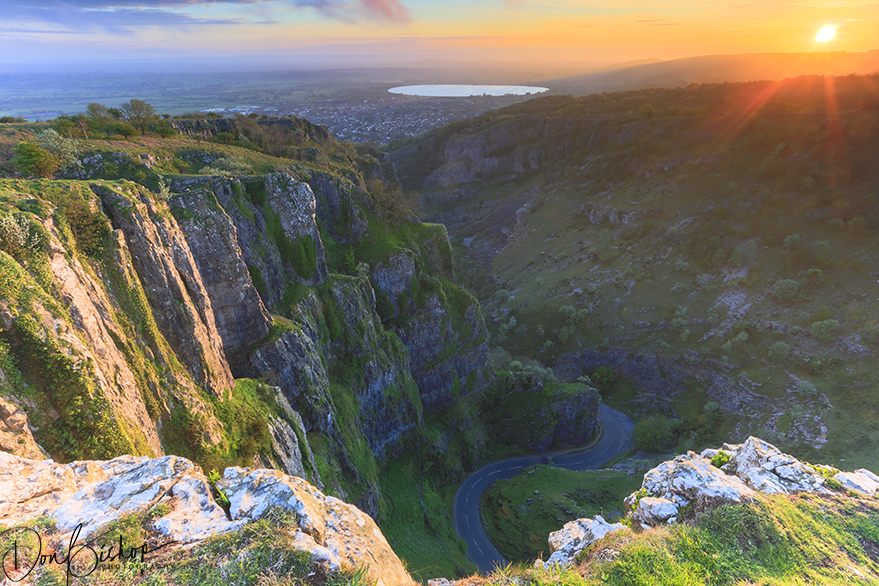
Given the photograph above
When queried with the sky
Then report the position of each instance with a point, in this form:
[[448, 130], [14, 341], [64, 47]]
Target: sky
[[591, 33]]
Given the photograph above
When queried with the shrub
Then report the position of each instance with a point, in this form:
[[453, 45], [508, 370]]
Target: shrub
[[785, 289], [719, 459], [655, 433], [792, 240], [807, 388], [824, 330], [33, 160], [779, 352]]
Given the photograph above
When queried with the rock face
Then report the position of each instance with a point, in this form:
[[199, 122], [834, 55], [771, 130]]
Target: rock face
[[573, 538], [295, 205], [241, 317], [516, 147], [96, 493], [524, 417], [165, 263], [15, 435]]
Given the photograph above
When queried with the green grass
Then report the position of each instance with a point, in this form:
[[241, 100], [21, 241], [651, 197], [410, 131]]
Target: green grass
[[427, 545], [709, 239], [777, 540], [520, 521]]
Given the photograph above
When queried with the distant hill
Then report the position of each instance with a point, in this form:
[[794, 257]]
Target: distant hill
[[718, 69]]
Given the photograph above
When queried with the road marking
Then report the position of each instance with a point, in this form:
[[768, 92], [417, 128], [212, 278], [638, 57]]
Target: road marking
[[495, 472]]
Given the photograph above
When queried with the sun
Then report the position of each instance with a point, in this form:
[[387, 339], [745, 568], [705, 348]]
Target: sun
[[826, 34]]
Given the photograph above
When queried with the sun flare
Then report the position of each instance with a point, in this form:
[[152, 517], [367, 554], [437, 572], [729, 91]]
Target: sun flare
[[825, 34]]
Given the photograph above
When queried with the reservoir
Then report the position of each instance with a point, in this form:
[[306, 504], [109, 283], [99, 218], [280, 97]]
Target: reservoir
[[464, 91]]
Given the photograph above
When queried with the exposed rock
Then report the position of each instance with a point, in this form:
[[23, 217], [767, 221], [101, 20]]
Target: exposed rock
[[393, 279], [653, 511], [240, 315], [96, 493], [687, 479], [15, 435], [765, 468], [337, 208], [295, 205], [173, 285], [571, 539], [92, 337], [519, 146], [288, 442], [861, 481]]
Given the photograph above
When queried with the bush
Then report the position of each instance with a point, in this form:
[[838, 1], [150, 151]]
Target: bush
[[824, 330], [785, 289], [779, 352], [35, 161], [655, 433], [807, 388], [719, 459]]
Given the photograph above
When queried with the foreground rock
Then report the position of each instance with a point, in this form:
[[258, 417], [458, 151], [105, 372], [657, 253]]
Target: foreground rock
[[861, 481], [752, 467], [96, 493], [573, 538]]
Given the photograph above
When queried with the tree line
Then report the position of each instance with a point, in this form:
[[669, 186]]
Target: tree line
[[126, 120]]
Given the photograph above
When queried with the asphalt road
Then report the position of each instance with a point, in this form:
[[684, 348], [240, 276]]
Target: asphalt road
[[615, 438]]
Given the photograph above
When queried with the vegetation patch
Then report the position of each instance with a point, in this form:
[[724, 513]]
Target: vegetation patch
[[522, 511]]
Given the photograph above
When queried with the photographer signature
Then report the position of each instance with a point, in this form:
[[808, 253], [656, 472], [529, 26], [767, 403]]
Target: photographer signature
[[80, 560]]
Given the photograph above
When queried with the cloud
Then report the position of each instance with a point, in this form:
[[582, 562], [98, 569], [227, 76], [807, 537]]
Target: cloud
[[389, 10], [132, 14]]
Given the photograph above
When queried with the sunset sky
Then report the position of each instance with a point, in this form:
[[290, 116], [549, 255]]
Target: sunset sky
[[596, 32]]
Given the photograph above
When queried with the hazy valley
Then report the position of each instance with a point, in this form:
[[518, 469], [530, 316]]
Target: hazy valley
[[383, 321]]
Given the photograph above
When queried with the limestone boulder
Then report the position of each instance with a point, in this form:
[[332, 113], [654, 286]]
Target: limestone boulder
[[571, 539], [94, 494], [767, 469], [861, 481], [691, 476]]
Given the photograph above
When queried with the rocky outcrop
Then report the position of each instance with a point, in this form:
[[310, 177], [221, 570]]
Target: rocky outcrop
[[429, 326], [94, 494], [765, 468], [15, 434], [690, 479], [526, 418], [575, 536], [861, 481], [517, 146], [295, 205], [338, 208], [180, 302], [241, 318]]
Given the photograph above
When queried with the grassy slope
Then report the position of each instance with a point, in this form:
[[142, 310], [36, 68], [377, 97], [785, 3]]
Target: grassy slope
[[733, 188], [778, 540], [520, 520]]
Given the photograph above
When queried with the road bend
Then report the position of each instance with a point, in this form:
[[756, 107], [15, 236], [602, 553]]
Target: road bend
[[615, 439]]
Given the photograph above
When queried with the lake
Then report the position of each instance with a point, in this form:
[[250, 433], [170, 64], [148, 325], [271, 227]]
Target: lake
[[464, 91]]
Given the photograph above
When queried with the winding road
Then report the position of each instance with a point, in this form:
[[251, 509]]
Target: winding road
[[615, 438]]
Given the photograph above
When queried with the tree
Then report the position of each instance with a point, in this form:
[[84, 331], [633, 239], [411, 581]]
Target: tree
[[139, 114], [33, 160], [82, 124], [163, 129], [99, 117], [122, 128], [64, 126]]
